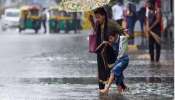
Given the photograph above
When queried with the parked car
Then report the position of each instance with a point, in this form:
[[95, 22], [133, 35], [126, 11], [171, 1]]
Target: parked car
[[10, 18]]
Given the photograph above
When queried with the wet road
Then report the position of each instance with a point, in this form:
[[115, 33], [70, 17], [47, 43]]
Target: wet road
[[59, 67]]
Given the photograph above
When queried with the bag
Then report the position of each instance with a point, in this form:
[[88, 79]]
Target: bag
[[123, 46], [92, 42]]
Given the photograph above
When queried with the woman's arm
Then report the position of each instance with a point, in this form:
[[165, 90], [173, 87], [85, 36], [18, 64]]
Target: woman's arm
[[158, 17], [91, 20], [101, 45], [104, 56], [146, 27]]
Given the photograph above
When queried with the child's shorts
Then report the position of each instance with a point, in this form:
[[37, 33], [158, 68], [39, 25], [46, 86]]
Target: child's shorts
[[118, 69]]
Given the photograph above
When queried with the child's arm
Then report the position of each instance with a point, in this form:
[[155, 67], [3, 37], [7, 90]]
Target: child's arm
[[125, 32]]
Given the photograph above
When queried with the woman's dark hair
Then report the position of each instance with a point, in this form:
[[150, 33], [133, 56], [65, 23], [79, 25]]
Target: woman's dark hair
[[132, 8], [151, 6], [102, 12], [151, 2]]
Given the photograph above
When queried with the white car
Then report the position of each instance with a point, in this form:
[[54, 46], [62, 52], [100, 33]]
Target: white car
[[10, 19]]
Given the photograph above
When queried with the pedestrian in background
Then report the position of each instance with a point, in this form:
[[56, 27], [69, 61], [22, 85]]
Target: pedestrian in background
[[141, 16], [154, 26], [78, 22], [117, 12], [74, 21], [130, 18], [141, 13], [44, 19]]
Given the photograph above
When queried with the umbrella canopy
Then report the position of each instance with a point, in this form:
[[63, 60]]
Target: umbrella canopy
[[81, 5], [24, 7], [34, 7], [30, 7]]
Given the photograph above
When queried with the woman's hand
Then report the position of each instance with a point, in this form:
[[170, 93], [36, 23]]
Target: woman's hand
[[91, 18], [149, 29], [105, 42]]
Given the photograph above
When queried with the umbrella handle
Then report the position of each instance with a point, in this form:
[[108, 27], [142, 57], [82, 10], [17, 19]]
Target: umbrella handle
[[155, 36]]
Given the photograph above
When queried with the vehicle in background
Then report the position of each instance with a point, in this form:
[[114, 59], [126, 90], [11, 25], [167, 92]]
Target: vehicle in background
[[55, 22], [30, 18], [10, 18], [60, 20]]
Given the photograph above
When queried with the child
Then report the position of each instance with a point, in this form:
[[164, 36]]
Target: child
[[119, 44]]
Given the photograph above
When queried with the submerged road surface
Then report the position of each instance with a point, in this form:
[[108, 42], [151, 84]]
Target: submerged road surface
[[59, 67]]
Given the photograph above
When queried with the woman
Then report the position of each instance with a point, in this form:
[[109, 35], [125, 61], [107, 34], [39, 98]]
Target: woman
[[154, 26], [101, 26], [130, 20]]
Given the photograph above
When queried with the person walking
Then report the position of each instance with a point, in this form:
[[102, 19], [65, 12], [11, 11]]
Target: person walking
[[101, 26], [78, 22], [117, 13], [154, 27], [44, 19], [141, 16], [130, 20]]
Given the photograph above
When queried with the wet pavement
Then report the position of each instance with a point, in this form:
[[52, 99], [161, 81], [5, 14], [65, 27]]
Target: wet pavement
[[59, 67], [138, 91]]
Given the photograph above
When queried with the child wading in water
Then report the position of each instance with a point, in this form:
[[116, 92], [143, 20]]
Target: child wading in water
[[120, 46]]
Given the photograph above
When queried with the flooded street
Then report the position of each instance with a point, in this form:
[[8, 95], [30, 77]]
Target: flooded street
[[58, 91], [46, 56], [59, 67]]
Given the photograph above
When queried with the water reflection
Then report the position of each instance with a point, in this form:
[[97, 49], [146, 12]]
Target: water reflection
[[54, 67], [137, 91]]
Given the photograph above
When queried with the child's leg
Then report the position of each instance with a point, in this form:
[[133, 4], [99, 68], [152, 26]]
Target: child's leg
[[119, 68], [111, 79], [122, 87]]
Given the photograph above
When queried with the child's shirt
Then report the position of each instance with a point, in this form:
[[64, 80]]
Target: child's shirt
[[121, 47]]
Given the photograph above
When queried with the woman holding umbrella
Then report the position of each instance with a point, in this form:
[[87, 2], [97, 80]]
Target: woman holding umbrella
[[101, 27], [154, 30]]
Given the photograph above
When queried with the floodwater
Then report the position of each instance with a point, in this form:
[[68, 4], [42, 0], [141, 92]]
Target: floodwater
[[59, 67]]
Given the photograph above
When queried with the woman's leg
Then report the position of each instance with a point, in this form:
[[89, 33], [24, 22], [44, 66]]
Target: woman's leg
[[101, 85], [158, 48], [151, 48], [101, 72]]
